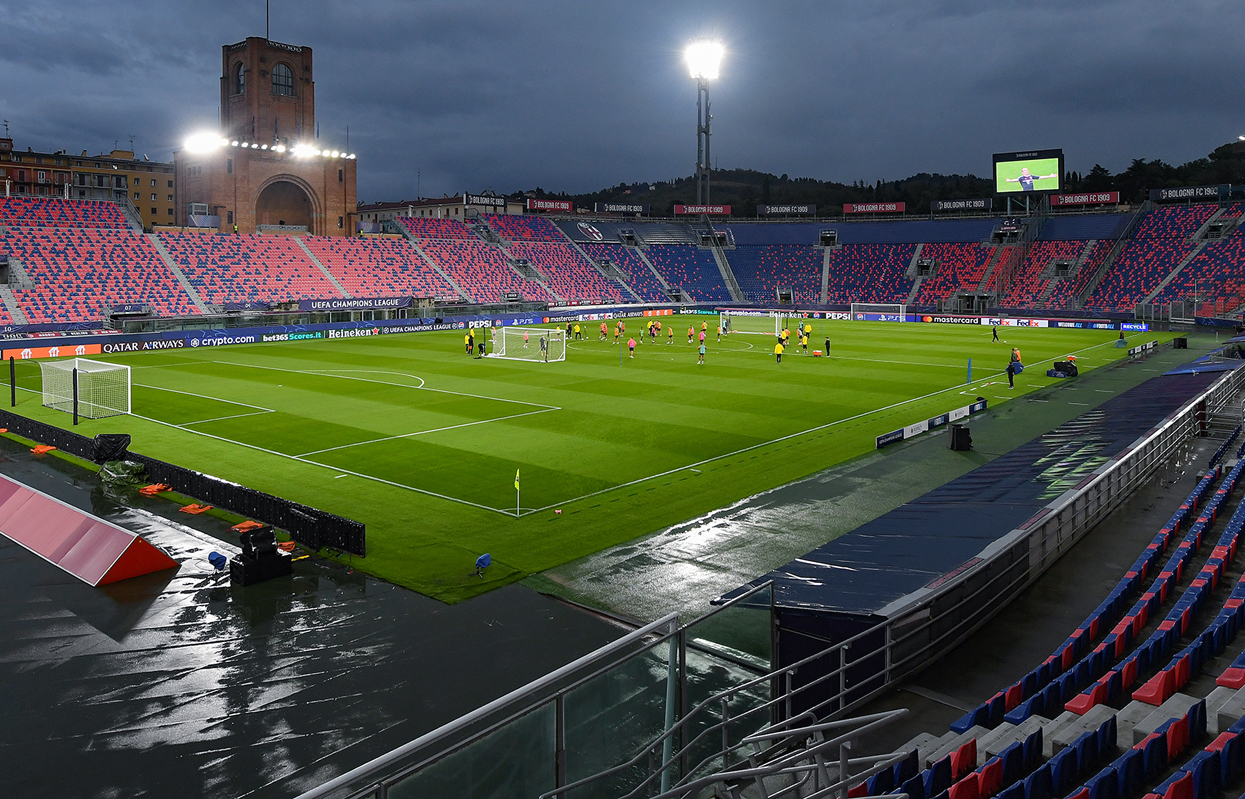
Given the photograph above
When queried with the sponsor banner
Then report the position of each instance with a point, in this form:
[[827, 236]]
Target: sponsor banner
[[485, 200], [1190, 193], [958, 414], [549, 205], [980, 204], [874, 208], [355, 304], [1138, 350], [884, 317], [889, 438], [842, 316], [56, 351], [128, 307], [938, 421], [1011, 321], [310, 334], [787, 210], [621, 208], [211, 338], [915, 429], [143, 346], [952, 320], [1100, 198], [710, 210], [358, 332], [1136, 327]]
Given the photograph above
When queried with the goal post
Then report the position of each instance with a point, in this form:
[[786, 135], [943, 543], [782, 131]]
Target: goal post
[[103, 388], [541, 344], [879, 311], [769, 323]]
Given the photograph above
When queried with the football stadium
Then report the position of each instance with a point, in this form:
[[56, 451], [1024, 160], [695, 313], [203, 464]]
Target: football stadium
[[523, 495]]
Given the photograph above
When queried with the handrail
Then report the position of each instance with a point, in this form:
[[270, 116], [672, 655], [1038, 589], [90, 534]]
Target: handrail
[[372, 767]]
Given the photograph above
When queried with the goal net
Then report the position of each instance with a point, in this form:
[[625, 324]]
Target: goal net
[[543, 344], [879, 311], [103, 388], [769, 323]]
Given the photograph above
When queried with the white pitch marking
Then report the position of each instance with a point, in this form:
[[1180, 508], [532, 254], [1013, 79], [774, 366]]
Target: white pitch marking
[[223, 418], [205, 396], [424, 432]]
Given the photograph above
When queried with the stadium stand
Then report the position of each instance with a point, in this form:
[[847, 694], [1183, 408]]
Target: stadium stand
[[1215, 272], [433, 228], [1029, 282], [962, 268], [569, 275], [48, 212], [1068, 289], [247, 268], [870, 273], [1160, 243], [691, 269], [79, 272], [481, 270], [512, 227], [761, 269], [640, 278], [379, 267]]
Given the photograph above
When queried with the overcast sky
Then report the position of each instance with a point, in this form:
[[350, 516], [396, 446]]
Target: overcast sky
[[575, 96]]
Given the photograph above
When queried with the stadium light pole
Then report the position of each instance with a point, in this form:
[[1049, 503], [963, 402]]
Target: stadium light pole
[[704, 57]]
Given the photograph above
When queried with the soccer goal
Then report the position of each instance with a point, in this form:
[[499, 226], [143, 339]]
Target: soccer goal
[[103, 388], [543, 344], [879, 311], [769, 323]]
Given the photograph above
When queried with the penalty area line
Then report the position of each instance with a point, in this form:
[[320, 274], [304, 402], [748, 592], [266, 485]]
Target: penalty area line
[[337, 469], [425, 432]]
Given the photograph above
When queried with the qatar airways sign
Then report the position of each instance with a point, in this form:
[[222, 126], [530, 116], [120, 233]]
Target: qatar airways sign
[[711, 210], [1100, 198], [549, 205], [874, 208]]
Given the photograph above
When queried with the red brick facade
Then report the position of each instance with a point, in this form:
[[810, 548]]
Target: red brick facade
[[267, 108]]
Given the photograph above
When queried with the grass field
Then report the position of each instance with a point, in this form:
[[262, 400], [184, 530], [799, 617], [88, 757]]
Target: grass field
[[420, 442]]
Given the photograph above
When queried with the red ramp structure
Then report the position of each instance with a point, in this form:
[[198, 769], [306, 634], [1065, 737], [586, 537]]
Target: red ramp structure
[[91, 549]]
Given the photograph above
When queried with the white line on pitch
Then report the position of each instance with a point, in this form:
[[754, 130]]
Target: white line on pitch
[[223, 418], [387, 383], [424, 432], [767, 443], [324, 465], [205, 396]]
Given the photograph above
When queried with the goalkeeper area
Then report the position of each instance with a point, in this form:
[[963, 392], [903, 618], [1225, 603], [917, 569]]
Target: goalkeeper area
[[409, 435]]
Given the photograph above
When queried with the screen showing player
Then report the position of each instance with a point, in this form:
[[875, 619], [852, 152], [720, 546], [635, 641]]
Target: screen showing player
[[1020, 175]]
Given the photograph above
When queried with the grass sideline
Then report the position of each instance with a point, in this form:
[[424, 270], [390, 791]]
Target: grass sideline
[[420, 442]]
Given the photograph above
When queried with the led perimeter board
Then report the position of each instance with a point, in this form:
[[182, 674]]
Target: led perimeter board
[[1029, 172]]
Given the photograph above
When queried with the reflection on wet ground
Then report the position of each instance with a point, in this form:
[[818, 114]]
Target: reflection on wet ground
[[684, 567], [179, 684]]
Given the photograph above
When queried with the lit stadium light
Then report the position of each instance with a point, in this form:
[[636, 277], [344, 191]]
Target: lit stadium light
[[335, 153], [224, 142], [254, 146], [1242, 138], [203, 142], [303, 150], [263, 147], [704, 56], [234, 143], [279, 148], [351, 156], [246, 144]]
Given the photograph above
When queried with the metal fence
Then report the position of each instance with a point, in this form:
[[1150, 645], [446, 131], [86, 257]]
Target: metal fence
[[307, 525]]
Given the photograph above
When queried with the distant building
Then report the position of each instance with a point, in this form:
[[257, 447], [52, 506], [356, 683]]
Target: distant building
[[117, 176], [268, 172], [455, 207]]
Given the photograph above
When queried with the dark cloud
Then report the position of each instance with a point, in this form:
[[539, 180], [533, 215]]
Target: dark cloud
[[574, 96]]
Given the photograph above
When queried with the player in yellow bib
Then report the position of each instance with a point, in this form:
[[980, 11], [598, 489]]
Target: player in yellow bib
[[778, 348]]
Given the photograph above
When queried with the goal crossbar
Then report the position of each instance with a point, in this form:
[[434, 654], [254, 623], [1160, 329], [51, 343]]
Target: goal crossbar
[[103, 389], [540, 344]]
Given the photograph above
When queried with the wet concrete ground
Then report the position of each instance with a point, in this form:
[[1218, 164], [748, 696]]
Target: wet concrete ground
[[176, 684], [684, 567]]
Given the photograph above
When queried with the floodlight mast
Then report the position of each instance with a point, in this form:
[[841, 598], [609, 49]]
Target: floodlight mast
[[703, 59]]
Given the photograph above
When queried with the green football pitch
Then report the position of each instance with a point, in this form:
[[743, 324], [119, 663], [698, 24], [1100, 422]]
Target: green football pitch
[[420, 442]]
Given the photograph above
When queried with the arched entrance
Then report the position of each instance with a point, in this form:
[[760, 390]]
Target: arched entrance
[[284, 202]]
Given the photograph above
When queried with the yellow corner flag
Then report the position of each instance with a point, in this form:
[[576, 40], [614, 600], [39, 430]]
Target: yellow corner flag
[[516, 479]]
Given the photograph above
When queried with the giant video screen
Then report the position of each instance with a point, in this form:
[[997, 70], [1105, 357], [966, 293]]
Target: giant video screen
[[1029, 172]]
